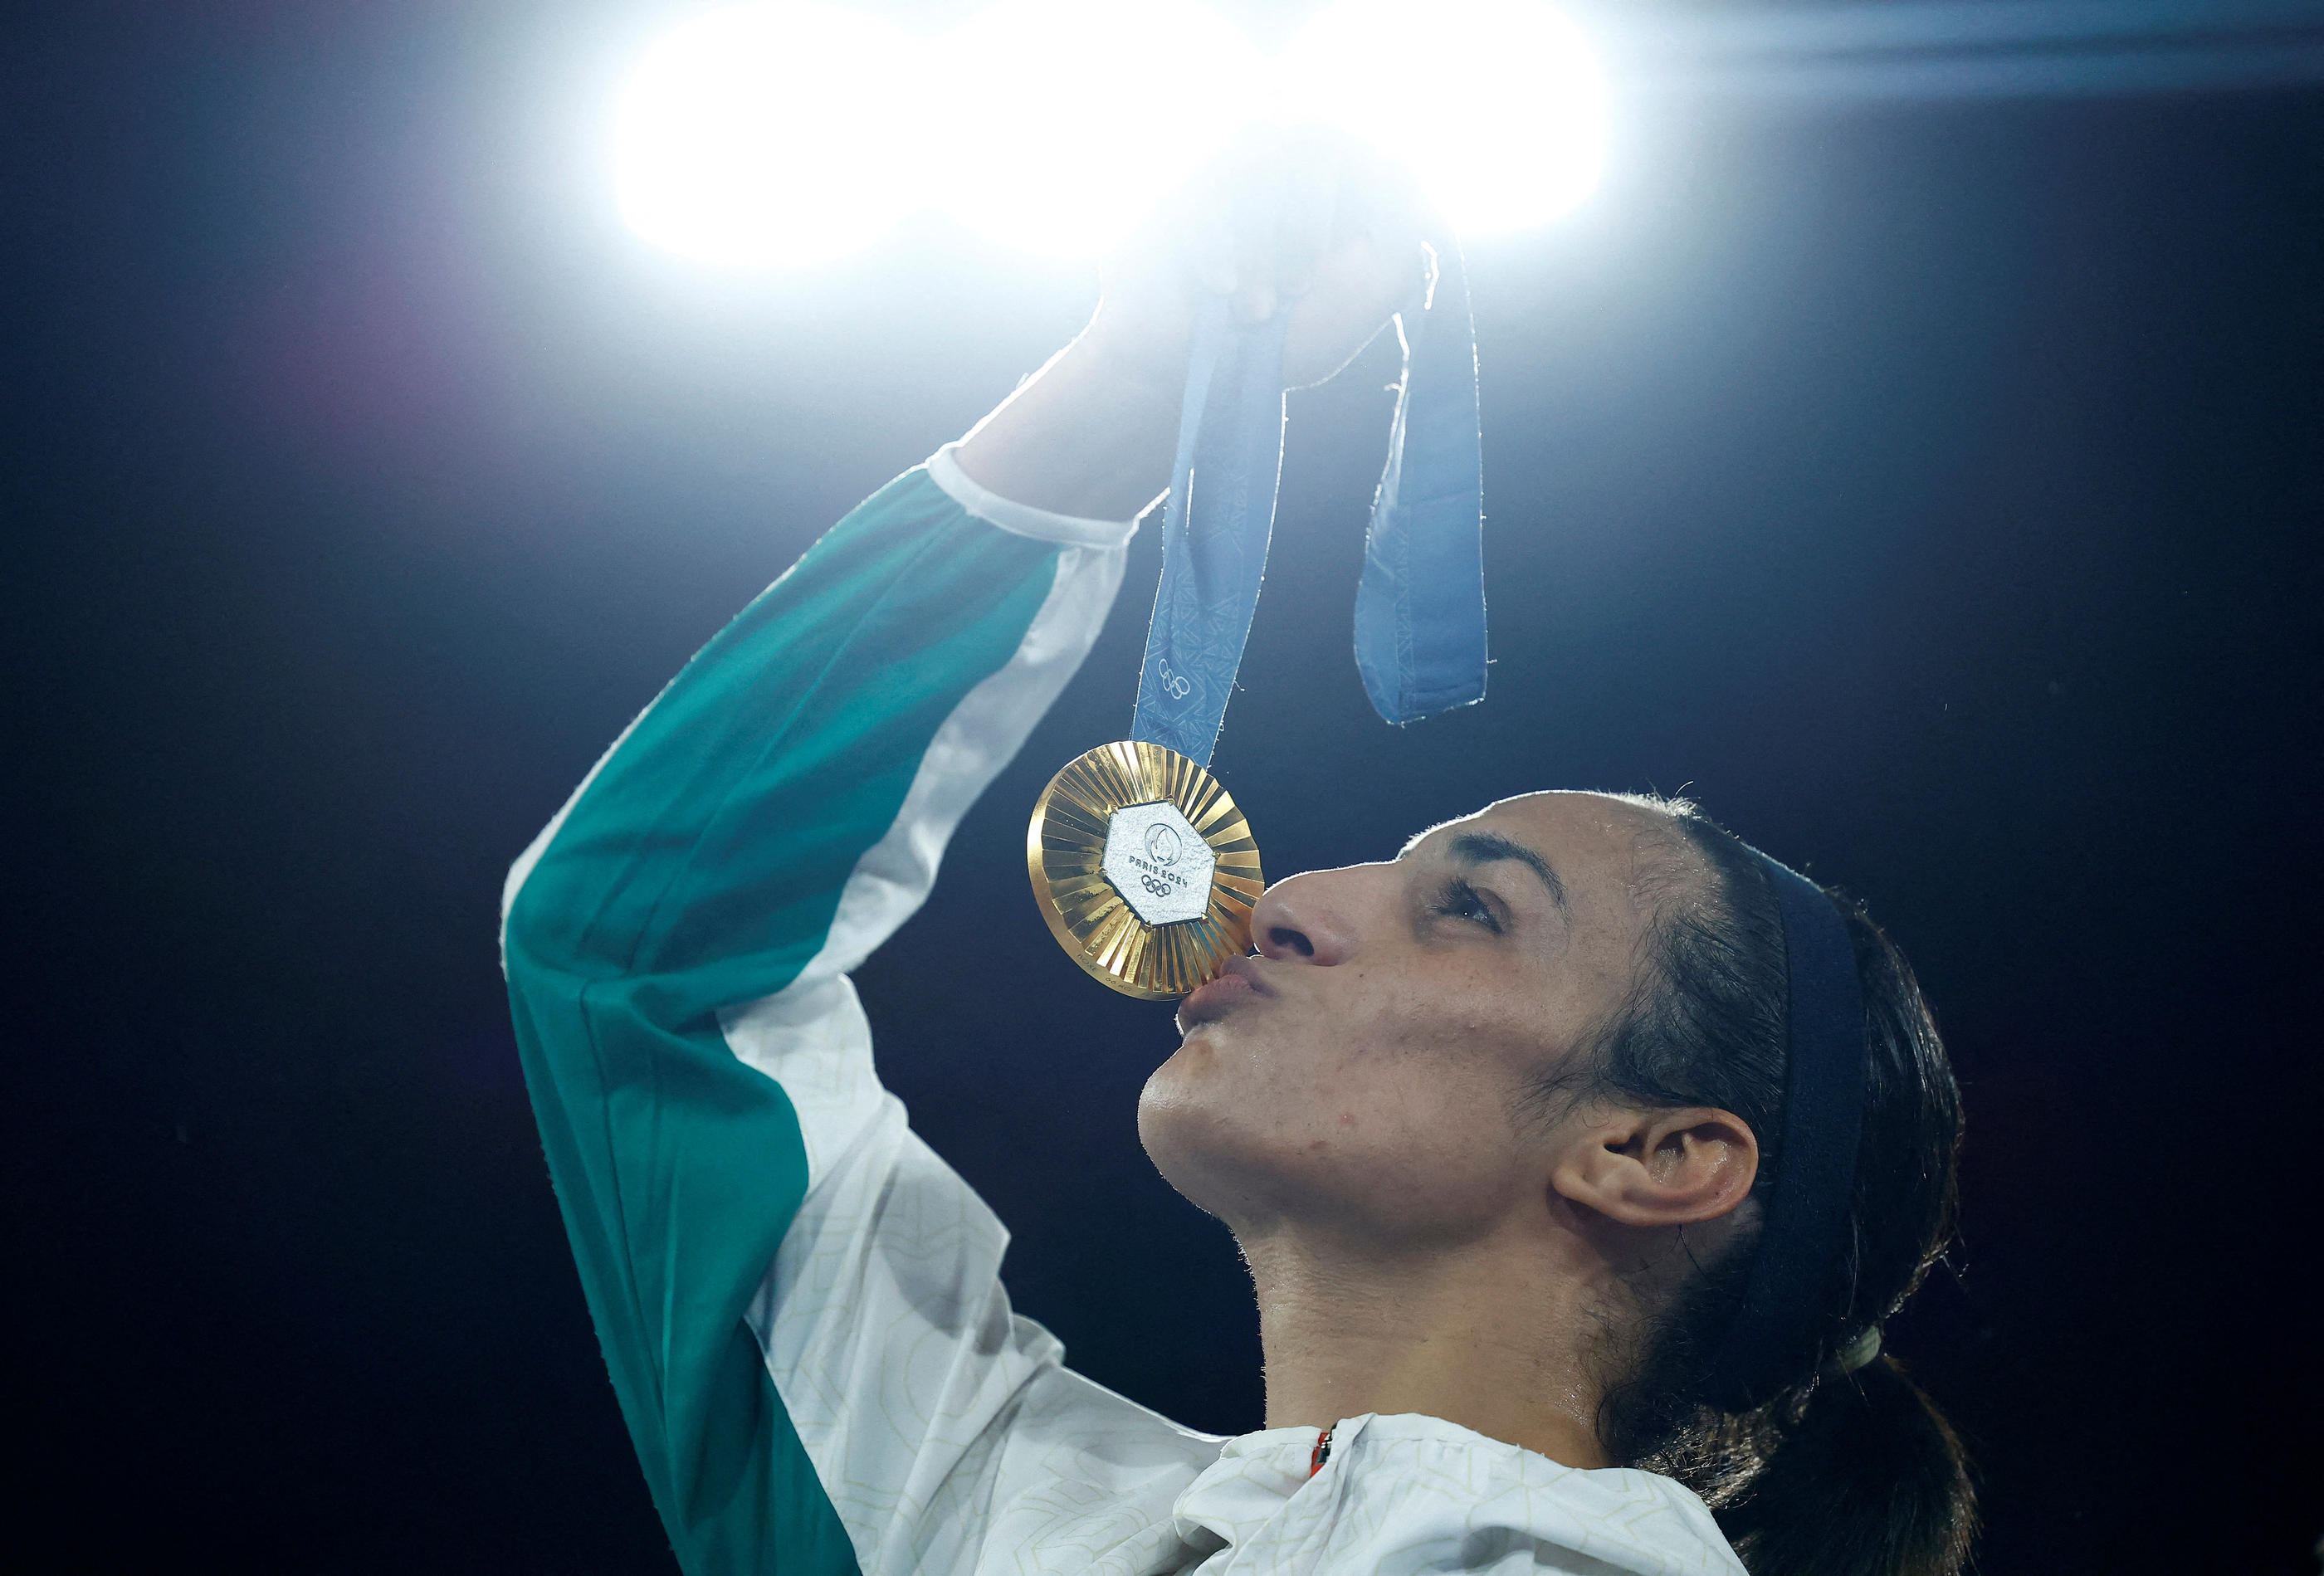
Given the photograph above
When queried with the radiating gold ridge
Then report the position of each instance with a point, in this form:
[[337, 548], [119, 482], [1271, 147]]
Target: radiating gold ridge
[[1065, 847]]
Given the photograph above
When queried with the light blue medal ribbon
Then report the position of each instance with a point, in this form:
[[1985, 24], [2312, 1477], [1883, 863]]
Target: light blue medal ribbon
[[1156, 906], [1420, 602]]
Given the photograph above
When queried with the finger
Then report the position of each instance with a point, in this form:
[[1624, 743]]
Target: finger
[[1354, 293]]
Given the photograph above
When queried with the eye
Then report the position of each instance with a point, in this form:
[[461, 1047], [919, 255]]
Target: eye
[[1459, 900]]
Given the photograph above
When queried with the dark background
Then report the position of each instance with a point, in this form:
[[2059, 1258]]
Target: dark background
[[1934, 492]]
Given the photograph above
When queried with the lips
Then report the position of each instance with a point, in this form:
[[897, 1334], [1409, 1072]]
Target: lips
[[1241, 980]]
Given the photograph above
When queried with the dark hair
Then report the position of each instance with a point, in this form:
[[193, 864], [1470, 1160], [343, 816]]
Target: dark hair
[[1828, 1473]]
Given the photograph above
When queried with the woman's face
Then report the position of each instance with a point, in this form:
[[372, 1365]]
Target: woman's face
[[1369, 1071]]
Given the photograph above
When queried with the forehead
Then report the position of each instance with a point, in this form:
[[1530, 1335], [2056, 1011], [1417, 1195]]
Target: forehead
[[1616, 859], [1584, 827]]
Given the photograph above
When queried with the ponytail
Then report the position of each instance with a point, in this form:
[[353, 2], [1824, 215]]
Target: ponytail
[[1827, 1472], [1864, 1475]]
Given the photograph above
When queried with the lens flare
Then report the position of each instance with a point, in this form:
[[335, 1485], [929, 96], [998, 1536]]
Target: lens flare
[[1498, 105], [785, 133], [793, 132], [1073, 116]]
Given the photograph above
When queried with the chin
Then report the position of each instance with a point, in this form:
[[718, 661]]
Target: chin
[[1184, 1124]]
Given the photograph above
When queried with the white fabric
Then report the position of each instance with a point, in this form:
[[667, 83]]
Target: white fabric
[[948, 1431], [1021, 519], [836, 1089]]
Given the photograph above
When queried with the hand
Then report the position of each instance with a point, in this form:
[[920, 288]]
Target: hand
[[1306, 221]]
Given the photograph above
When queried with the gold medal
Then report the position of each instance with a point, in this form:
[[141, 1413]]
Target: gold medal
[[1144, 869]]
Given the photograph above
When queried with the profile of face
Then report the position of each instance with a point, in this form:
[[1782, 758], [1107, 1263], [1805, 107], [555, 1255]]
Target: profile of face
[[1369, 1072]]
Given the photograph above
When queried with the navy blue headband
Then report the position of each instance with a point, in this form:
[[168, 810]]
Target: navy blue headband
[[1806, 1226]]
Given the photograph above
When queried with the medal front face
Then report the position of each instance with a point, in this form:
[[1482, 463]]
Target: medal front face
[[1144, 869], [1159, 863]]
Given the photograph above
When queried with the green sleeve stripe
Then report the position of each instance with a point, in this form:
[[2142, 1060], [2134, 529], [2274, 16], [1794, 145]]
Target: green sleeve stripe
[[700, 869]]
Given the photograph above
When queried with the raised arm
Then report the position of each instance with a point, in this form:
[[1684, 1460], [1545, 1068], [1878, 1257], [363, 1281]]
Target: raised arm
[[799, 1305], [770, 818], [1306, 224]]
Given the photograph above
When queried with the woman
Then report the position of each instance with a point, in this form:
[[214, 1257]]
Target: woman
[[1501, 1125]]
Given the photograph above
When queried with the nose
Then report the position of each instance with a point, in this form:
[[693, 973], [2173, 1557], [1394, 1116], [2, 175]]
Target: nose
[[1308, 918]]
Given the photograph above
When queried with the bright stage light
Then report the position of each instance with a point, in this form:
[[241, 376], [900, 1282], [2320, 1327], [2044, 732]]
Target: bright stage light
[[794, 132], [776, 132], [1498, 104], [1075, 115]]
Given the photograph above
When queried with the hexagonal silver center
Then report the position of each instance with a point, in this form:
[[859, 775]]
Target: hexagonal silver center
[[1159, 863]]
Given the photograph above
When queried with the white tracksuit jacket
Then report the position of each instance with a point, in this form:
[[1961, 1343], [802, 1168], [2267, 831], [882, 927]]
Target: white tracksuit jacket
[[799, 1303]]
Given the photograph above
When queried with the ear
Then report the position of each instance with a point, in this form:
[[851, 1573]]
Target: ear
[[1660, 1167]]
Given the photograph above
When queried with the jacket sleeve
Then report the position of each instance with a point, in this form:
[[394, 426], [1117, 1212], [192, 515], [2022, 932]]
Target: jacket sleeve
[[677, 942]]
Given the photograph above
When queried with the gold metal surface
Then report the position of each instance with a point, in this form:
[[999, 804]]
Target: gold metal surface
[[1098, 930]]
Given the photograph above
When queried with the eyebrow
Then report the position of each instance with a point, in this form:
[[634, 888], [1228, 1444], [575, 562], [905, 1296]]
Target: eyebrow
[[1488, 847]]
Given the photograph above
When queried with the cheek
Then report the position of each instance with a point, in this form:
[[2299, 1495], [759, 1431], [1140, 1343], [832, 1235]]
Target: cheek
[[1424, 1143]]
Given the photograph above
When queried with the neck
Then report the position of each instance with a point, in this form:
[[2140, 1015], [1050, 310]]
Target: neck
[[1453, 1333]]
